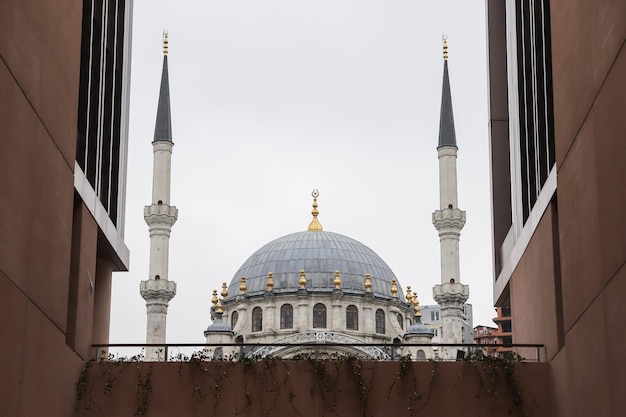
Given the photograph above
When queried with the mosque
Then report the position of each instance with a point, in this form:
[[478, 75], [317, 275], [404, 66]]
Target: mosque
[[316, 288]]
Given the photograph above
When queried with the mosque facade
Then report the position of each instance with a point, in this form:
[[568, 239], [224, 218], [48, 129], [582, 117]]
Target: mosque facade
[[312, 291]]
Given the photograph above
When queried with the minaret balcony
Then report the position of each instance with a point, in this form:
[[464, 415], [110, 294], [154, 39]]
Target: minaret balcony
[[450, 293], [158, 290], [449, 218], [160, 214]]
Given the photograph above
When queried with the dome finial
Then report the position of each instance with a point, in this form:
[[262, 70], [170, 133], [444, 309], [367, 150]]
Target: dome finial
[[337, 280], [224, 290], [416, 306], [302, 281], [214, 298], [165, 42], [270, 281], [394, 288], [368, 283], [409, 296], [445, 47], [315, 225]]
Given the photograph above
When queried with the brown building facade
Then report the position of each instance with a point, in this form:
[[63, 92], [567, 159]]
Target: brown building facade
[[557, 78], [63, 108]]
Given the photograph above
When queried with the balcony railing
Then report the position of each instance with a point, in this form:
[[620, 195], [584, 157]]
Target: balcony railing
[[177, 352]]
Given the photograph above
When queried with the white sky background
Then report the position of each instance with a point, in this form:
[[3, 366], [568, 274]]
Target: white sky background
[[271, 99]]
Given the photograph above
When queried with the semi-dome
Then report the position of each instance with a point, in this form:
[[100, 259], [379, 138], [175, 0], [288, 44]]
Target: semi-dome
[[319, 254]]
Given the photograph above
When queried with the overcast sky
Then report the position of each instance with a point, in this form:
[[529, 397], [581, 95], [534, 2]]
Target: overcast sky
[[271, 99]]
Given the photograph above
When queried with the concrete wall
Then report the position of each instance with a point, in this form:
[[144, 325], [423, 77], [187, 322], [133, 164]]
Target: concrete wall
[[308, 388], [568, 288], [48, 239]]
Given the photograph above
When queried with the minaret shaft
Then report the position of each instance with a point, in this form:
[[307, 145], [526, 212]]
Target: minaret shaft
[[449, 219], [447, 177], [162, 172]]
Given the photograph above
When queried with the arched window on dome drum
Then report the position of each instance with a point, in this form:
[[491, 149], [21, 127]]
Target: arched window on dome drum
[[233, 319], [257, 319], [380, 321], [286, 316], [421, 355], [319, 316], [400, 321], [352, 318]]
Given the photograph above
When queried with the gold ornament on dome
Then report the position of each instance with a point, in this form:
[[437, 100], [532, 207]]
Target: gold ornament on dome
[[416, 306], [394, 288], [270, 281], [337, 280], [224, 293], [302, 281], [409, 296], [368, 283], [214, 298], [315, 225], [242, 286]]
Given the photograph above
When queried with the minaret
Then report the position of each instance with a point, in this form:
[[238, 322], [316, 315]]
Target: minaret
[[449, 220], [160, 216]]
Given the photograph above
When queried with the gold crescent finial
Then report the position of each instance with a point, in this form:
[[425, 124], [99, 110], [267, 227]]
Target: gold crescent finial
[[315, 225], [445, 47], [409, 296], [165, 42]]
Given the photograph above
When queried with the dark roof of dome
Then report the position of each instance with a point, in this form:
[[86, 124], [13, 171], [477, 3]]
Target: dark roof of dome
[[320, 254], [419, 328], [218, 326]]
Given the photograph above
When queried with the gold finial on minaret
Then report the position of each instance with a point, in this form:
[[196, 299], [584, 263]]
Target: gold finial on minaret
[[368, 283], [315, 225], [409, 296], [224, 292], [302, 281], [337, 280], [270, 281], [219, 307], [394, 288], [416, 306], [214, 298], [445, 47], [242, 286], [165, 42]]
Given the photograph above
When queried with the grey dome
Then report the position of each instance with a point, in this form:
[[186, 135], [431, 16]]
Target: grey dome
[[320, 254], [419, 329], [218, 326]]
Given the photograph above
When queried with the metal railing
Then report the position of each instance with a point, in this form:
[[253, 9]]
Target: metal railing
[[176, 352]]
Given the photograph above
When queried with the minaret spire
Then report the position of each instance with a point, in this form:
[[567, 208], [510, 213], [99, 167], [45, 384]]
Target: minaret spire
[[447, 136], [449, 219], [160, 216], [163, 127]]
